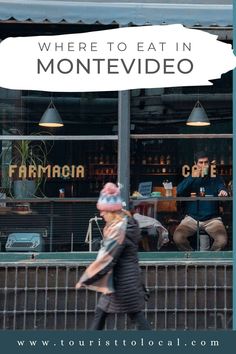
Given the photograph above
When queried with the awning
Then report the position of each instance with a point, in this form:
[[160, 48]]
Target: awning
[[204, 13]]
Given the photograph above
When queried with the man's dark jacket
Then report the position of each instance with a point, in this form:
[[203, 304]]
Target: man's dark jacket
[[203, 210]]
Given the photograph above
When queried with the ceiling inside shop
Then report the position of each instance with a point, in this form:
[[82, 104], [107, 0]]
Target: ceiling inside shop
[[97, 113]]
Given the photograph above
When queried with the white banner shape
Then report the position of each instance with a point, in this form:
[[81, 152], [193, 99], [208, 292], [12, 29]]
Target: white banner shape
[[117, 59]]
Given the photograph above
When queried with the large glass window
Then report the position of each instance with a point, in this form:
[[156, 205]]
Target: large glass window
[[49, 190], [163, 147], [68, 166], [78, 167], [164, 187], [163, 158]]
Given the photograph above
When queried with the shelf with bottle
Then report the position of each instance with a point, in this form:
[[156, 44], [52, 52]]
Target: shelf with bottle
[[157, 164], [102, 153], [158, 174], [159, 169], [101, 164], [106, 169], [102, 160], [155, 159], [224, 170]]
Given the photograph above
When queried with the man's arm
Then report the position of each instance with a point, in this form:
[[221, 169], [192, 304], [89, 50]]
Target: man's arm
[[221, 188], [184, 188]]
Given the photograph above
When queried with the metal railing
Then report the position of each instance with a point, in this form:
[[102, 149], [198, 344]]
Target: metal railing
[[185, 295]]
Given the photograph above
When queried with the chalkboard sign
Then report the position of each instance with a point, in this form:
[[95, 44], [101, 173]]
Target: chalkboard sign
[[145, 188]]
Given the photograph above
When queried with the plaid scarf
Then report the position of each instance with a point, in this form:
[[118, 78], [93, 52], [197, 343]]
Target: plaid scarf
[[99, 274]]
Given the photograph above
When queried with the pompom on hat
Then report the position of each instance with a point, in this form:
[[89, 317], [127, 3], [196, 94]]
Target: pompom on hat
[[110, 198]]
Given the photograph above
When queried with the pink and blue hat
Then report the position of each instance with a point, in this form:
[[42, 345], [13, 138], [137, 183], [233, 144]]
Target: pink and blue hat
[[110, 198]]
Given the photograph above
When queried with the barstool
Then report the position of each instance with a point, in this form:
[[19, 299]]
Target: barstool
[[205, 242]]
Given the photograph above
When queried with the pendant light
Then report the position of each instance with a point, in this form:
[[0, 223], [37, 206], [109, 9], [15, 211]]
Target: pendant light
[[51, 117], [198, 116]]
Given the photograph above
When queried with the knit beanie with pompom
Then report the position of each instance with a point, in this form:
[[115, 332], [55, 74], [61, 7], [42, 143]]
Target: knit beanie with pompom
[[110, 198]]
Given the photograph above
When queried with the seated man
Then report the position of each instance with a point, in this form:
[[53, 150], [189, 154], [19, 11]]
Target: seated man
[[204, 212]]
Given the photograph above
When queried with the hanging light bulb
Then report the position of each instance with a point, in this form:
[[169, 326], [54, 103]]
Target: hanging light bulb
[[198, 116], [51, 117]]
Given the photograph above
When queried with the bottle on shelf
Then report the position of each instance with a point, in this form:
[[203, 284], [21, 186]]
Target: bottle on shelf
[[168, 160], [61, 193], [149, 159], [202, 192], [144, 161], [222, 160], [162, 160], [163, 170], [155, 160]]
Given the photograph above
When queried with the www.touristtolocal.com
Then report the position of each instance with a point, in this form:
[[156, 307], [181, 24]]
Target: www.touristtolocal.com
[[108, 342]]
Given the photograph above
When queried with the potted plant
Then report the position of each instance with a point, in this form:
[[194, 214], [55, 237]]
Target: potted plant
[[25, 154]]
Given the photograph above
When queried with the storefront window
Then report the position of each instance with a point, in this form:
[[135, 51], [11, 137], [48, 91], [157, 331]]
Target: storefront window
[[163, 147], [48, 196], [157, 177], [160, 159], [70, 164], [79, 168]]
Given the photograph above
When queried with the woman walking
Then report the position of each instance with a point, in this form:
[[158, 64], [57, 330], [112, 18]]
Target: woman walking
[[115, 272]]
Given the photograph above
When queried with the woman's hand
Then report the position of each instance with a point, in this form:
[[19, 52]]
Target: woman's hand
[[78, 285]]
